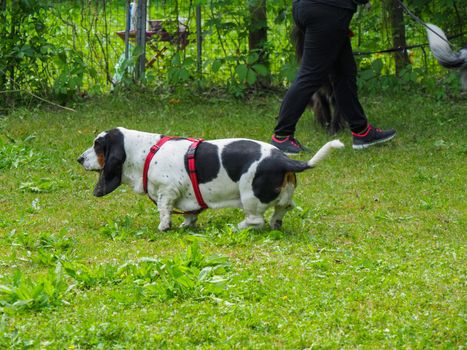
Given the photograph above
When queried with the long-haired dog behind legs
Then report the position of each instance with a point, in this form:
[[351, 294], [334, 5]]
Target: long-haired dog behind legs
[[442, 51], [323, 102]]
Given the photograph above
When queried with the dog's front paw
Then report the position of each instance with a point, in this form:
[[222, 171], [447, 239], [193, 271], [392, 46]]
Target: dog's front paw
[[253, 222], [190, 221], [187, 224], [243, 225], [164, 226]]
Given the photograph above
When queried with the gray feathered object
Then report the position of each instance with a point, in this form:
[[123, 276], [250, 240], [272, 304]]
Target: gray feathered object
[[443, 52]]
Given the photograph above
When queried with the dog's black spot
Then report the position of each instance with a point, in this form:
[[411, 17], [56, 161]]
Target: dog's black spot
[[238, 156], [270, 173], [206, 161]]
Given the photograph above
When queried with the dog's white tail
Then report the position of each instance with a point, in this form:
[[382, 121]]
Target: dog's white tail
[[324, 151]]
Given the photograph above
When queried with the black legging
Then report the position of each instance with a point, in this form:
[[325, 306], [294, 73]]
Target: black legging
[[327, 53]]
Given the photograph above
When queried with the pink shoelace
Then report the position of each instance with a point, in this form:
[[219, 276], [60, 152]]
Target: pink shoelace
[[292, 140]]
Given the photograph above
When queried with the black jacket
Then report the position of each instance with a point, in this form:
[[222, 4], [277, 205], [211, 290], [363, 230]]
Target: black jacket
[[346, 4]]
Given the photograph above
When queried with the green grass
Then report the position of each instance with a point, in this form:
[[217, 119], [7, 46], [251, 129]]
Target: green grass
[[373, 257]]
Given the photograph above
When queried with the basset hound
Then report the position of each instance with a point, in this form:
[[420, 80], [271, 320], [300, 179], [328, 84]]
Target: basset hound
[[236, 172]]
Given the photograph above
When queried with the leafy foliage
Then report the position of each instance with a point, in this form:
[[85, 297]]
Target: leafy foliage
[[15, 154], [45, 250], [194, 275], [40, 186], [124, 229], [24, 293], [67, 51], [31, 57]]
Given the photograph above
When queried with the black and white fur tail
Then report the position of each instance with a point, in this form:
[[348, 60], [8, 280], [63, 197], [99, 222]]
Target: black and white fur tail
[[446, 57]]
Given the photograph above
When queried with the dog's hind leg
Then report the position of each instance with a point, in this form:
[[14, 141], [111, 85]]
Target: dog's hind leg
[[284, 201], [190, 220], [254, 213], [279, 212]]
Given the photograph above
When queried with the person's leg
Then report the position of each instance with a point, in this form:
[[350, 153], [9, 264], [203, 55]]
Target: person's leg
[[344, 81], [322, 43]]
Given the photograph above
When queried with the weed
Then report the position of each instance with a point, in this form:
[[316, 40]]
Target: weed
[[42, 185], [45, 241], [122, 229], [44, 250], [14, 154], [92, 276], [229, 235], [24, 293], [10, 337], [193, 275]]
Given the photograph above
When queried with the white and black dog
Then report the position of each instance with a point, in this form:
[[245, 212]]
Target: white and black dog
[[442, 51], [241, 173]]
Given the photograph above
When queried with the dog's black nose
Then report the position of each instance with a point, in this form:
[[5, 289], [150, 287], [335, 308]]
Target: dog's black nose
[[80, 160]]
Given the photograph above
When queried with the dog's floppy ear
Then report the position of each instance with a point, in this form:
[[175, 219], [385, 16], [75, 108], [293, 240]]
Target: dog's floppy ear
[[114, 154]]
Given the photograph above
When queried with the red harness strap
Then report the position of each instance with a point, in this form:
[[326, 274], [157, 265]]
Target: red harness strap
[[190, 157], [149, 157]]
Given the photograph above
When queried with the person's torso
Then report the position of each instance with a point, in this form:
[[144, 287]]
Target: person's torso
[[346, 4]]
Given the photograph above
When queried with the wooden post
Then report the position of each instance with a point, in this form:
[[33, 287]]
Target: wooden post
[[141, 11]]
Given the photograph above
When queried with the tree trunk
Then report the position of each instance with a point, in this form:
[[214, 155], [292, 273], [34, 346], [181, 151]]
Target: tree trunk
[[396, 20], [258, 35]]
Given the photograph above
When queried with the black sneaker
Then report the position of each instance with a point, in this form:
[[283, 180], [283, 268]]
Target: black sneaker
[[289, 145], [372, 136]]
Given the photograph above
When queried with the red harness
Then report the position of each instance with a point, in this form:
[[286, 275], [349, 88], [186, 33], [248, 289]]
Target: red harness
[[190, 157]]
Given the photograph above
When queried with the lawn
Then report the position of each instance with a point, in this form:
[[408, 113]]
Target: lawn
[[373, 257]]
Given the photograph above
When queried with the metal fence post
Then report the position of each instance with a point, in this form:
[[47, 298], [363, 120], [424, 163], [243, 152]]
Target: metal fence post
[[127, 29], [141, 11]]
